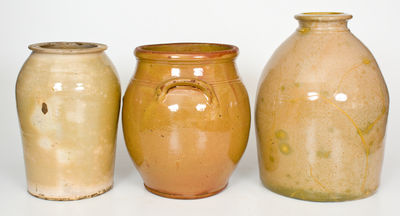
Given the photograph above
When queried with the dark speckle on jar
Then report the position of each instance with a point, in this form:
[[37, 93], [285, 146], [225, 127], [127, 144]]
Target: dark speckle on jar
[[44, 108]]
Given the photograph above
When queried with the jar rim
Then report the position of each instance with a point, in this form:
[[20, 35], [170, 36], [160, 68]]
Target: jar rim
[[323, 16], [192, 51], [63, 47]]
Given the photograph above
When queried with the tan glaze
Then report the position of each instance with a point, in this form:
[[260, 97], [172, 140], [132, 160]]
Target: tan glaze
[[186, 118], [321, 114], [68, 98]]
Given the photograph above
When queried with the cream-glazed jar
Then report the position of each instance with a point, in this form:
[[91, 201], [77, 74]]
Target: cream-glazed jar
[[68, 99], [321, 113]]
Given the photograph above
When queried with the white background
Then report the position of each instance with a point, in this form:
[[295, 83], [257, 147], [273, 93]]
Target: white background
[[256, 27]]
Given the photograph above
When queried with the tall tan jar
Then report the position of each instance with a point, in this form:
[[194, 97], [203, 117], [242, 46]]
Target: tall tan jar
[[321, 114], [68, 99], [186, 118]]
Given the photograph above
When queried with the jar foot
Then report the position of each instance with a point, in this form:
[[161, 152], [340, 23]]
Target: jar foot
[[184, 196], [43, 196]]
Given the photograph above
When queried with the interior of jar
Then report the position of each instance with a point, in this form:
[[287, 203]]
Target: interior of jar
[[67, 47], [186, 52], [323, 16], [322, 13], [187, 48]]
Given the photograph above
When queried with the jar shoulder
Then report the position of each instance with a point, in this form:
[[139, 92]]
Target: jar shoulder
[[317, 51], [68, 73], [211, 72], [324, 64], [230, 103], [228, 92]]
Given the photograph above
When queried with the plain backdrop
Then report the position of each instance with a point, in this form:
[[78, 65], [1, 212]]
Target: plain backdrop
[[256, 27]]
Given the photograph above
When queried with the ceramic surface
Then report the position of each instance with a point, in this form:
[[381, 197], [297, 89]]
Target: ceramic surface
[[321, 114], [68, 98], [186, 118]]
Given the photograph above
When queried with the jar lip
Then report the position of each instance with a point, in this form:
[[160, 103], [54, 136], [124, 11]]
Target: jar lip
[[323, 16], [63, 47], [192, 51]]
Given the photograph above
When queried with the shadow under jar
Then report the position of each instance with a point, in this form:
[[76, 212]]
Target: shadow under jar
[[186, 118], [68, 99], [321, 114]]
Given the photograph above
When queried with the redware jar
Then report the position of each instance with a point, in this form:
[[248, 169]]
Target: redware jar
[[186, 118]]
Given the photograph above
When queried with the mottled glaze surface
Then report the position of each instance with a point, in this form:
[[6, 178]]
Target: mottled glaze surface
[[321, 114], [186, 118], [68, 98]]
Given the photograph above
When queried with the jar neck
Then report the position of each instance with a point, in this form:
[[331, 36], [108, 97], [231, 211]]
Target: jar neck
[[323, 21], [305, 26]]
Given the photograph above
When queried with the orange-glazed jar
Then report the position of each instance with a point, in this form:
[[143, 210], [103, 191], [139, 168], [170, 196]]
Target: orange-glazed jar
[[186, 118]]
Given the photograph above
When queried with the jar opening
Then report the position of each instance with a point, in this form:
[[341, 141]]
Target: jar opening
[[323, 16], [67, 47], [322, 13], [186, 51], [187, 48]]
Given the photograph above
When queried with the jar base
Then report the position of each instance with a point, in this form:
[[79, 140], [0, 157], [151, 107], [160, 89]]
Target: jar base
[[183, 196], [307, 195], [43, 196]]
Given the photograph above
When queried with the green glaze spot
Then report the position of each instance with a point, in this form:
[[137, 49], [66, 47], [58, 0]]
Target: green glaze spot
[[281, 134], [304, 30], [366, 61], [285, 148], [325, 93], [323, 154], [272, 159]]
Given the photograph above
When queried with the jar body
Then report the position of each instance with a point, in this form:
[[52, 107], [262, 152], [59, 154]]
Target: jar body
[[321, 116], [68, 107], [186, 126]]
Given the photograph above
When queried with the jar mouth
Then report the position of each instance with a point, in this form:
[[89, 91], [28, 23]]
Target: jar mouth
[[323, 16], [67, 47], [186, 51]]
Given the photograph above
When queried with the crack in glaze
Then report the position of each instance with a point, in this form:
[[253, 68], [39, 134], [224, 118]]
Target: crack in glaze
[[317, 181], [347, 73], [368, 128], [359, 132]]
